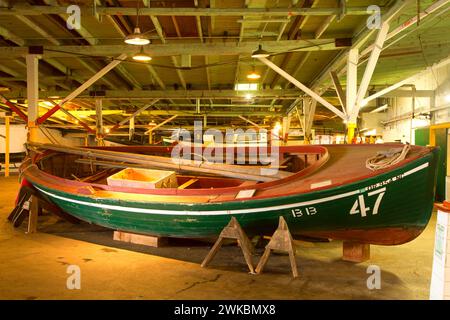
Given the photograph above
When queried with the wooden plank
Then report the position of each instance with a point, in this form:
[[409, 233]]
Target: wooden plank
[[146, 240]]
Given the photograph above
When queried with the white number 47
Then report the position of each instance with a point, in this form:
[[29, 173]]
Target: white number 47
[[360, 204]]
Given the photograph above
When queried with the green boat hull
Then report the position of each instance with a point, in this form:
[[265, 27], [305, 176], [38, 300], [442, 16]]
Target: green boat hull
[[390, 208]]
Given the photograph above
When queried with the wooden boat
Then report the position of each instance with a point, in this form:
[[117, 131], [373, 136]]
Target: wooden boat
[[323, 192]]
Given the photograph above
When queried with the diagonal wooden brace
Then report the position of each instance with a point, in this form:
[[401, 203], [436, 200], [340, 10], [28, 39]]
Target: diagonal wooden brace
[[14, 108]]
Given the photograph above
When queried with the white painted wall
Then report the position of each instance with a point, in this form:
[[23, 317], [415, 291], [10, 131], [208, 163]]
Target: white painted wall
[[437, 79], [18, 137], [372, 121]]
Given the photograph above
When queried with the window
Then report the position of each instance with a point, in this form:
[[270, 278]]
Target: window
[[246, 87]]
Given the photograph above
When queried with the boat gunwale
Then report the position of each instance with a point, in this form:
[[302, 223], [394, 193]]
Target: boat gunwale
[[77, 187], [205, 191]]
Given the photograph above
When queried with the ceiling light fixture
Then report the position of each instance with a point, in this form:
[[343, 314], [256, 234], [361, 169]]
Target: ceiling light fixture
[[253, 75], [142, 56], [260, 53], [137, 38]]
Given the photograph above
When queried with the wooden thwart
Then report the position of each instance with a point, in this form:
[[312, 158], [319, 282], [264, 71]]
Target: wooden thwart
[[188, 183], [280, 241], [146, 240], [232, 231]]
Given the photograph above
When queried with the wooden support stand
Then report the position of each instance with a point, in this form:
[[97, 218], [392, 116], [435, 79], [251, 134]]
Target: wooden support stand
[[355, 251], [33, 215], [146, 240], [232, 231], [31, 204], [280, 241]]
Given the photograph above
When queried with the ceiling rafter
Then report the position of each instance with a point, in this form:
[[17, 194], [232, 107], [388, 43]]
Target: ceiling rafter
[[160, 32], [189, 11], [293, 33]]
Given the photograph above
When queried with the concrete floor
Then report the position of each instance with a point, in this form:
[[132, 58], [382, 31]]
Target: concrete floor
[[34, 266]]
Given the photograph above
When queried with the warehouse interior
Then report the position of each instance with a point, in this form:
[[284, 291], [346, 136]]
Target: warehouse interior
[[353, 94]]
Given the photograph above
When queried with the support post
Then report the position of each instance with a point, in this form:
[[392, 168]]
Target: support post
[[33, 215], [351, 126], [99, 122], [310, 110], [7, 140], [32, 95], [285, 128], [352, 75], [131, 129]]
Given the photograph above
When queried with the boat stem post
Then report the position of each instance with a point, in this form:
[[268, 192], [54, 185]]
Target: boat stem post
[[32, 61]]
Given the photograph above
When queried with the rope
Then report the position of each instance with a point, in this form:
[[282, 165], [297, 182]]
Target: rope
[[25, 169], [385, 159]]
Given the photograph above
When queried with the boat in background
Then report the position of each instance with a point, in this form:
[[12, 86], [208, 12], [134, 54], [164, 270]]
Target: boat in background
[[321, 191]]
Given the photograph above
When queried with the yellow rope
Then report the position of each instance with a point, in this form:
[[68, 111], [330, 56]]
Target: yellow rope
[[386, 159]]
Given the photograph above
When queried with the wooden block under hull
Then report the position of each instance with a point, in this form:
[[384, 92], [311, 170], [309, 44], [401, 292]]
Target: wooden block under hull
[[355, 251], [145, 240]]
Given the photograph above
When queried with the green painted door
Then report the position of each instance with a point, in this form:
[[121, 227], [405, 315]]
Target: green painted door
[[422, 138], [441, 141]]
